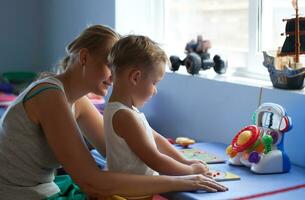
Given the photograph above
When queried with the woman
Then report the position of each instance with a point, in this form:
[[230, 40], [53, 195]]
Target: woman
[[43, 129]]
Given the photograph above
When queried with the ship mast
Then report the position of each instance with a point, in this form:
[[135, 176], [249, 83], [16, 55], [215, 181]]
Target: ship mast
[[297, 33]]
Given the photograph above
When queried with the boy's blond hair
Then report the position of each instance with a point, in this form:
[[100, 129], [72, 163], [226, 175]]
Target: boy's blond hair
[[135, 51]]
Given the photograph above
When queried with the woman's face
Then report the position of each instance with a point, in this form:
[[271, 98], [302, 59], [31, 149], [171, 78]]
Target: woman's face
[[98, 73]]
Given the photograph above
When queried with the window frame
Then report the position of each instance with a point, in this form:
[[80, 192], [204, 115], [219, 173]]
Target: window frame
[[255, 15]]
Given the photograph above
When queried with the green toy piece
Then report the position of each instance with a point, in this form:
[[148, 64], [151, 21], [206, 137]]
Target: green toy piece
[[267, 141]]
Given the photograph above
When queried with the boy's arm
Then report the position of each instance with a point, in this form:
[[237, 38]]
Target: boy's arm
[[166, 148], [129, 127]]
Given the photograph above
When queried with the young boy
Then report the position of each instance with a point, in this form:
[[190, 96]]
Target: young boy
[[138, 64]]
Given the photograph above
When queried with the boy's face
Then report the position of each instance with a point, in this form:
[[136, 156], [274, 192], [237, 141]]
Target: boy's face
[[147, 85]]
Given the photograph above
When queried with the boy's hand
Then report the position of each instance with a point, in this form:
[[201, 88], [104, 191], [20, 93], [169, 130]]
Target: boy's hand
[[192, 161], [199, 168]]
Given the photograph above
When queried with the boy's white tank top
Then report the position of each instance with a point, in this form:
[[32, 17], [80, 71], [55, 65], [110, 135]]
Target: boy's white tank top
[[120, 158]]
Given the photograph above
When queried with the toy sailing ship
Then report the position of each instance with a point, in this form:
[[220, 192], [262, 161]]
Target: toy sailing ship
[[285, 69]]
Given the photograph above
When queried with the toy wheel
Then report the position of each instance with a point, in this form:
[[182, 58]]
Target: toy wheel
[[192, 63], [220, 66], [175, 63]]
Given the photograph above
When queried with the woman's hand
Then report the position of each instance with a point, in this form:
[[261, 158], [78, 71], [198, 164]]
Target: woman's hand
[[201, 182]]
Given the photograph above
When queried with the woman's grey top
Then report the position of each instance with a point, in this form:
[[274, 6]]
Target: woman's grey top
[[27, 163]]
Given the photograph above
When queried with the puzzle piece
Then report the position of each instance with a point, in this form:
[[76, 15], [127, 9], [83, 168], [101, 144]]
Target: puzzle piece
[[207, 157], [219, 175]]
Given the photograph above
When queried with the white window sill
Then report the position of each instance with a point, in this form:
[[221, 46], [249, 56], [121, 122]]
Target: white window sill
[[231, 78]]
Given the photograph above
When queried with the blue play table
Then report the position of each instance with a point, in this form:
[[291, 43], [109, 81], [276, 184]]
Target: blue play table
[[250, 183]]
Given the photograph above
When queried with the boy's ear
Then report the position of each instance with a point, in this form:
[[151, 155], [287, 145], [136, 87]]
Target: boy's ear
[[83, 53], [135, 76]]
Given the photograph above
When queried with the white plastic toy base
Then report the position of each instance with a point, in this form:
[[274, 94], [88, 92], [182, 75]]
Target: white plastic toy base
[[271, 162]]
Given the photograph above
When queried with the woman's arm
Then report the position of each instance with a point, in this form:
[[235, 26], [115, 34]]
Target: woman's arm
[[52, 112], [54, 115], [138, 185], [91, 123]]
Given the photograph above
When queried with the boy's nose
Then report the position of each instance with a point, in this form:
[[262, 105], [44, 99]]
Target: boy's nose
[[155, 91], [111, 78]]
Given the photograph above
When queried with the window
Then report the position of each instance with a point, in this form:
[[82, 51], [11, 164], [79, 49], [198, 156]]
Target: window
[[223, 22], [238, 29], [273, 12], [140, 17], [272, 25]]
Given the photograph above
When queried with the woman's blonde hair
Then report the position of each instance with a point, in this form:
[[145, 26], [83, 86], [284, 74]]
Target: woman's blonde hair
[[92, 38], [135, 51]]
